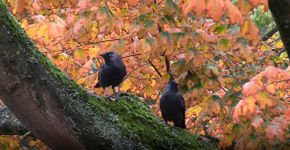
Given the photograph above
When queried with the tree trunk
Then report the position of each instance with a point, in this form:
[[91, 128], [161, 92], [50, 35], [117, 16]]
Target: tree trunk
[[66, 117], [281, 13]]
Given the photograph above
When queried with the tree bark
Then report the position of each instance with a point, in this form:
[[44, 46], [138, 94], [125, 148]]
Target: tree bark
[[9, 124], [65, 116], [281, 14]]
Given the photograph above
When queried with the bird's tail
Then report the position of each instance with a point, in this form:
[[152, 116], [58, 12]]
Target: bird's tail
[[181, 124], [97, 85]]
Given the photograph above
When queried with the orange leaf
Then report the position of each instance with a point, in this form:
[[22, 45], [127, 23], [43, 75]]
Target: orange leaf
[[274, 131], [251, 88], [264, 100], [216, 108], [244, 6], [245, 28], [19, 6], [133, 3], [265, 3], [215, 9], [257, 122], [57, 27], [82, 4], [254, 34], [255, 3], [197, 6], [245, 108], [86, 68], [287, 114], [233, 13]]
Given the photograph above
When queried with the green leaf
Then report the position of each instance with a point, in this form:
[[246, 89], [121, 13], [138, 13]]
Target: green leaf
[[220, 28]]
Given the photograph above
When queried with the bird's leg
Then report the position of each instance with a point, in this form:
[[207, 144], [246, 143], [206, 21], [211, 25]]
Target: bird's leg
[[166, 122], [117, 94], [106, 93]]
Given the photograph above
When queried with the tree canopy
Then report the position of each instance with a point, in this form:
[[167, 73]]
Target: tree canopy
[[226, 55]]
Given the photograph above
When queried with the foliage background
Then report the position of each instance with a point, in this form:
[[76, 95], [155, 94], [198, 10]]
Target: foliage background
[[235, 85]]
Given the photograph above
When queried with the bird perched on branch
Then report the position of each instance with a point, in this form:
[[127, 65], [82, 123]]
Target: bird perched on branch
[[172, 105], [112, 73]]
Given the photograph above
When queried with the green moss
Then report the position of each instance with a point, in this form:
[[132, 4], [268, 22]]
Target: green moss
[[139, 124]]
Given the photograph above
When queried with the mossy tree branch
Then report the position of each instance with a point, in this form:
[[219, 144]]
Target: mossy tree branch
[[9, 124], [65, 116]]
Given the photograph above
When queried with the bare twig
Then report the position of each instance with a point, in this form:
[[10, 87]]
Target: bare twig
[[269, 34], [278, 82], [167, 65], [97, 42], [132, 55], [151, 63], [134, 71]]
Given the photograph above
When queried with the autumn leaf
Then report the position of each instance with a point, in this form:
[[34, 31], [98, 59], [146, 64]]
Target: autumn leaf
[[197, 6], [287, 114], [217, 56], [233, 13], [86, 68], [254, 35], [274, 131], [82, 4], [245, 28], [19, 6], [264, 100], [215, 9], [133, 3], [93, 52], [126, 85], [257, 122], [245, 108], [255, 3], [251, 88]]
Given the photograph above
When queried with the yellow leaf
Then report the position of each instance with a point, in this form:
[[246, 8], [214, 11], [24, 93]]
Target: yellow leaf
[[264, 100], [73, 44], [153, 82], [81, 81], [245, 28], [42, 31], [279, 44], [93, 52], [133, 2], [32, 30], [265, 48], [126, 85], [194, 110]]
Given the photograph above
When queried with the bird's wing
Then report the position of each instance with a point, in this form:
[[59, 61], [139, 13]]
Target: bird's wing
[[101, 74], [182, 103]]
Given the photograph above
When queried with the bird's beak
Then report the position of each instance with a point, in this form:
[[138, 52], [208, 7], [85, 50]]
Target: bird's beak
[[103, 55]]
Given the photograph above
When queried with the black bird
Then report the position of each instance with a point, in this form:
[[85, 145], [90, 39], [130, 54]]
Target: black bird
[[172, 105], [112, 73]]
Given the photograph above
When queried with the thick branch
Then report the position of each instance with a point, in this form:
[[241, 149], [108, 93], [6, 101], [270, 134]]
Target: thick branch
[[281, 13], [63, 115]]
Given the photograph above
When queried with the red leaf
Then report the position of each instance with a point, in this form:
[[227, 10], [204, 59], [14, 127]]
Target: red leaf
[[215, 9], [233, 13]]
